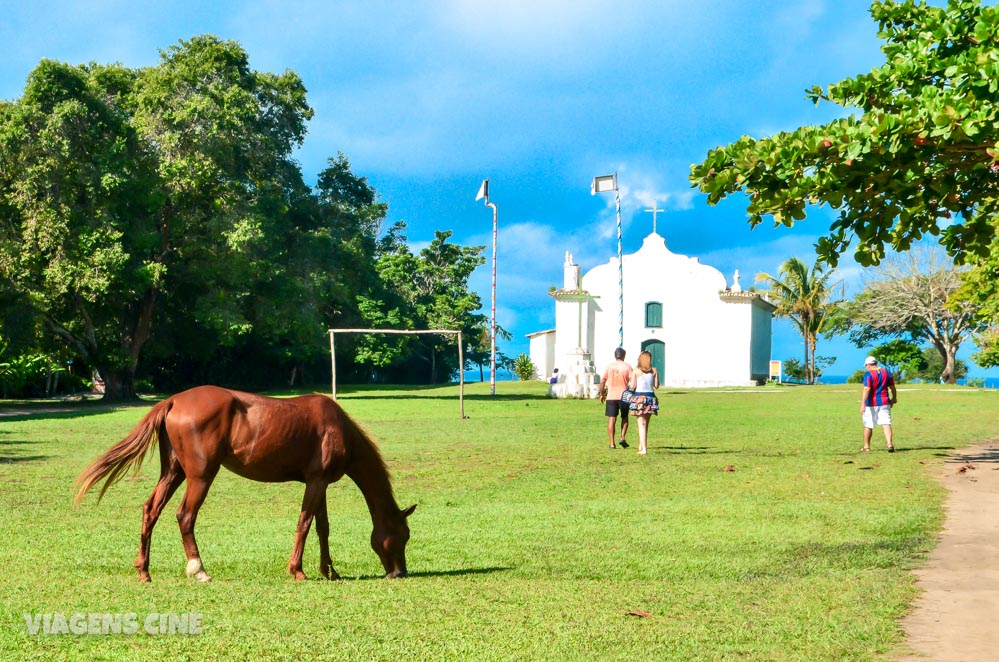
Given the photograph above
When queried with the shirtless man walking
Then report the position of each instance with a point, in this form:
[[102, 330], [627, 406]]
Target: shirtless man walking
[[612, 385]]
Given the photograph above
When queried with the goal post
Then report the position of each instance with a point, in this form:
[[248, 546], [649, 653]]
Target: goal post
[[448, 332]]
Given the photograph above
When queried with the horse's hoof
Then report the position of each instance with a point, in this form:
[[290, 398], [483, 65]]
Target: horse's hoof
[[197, 570], [300, 576], [328, 572], [144, 578]]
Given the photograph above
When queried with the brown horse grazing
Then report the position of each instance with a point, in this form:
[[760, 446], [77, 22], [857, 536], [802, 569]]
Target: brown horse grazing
[[309, 439]]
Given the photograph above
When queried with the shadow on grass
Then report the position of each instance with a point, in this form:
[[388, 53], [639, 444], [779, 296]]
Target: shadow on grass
[[987, 456], [688, 450], [806, 559], [57, 411], [442, 573], [16, 459]]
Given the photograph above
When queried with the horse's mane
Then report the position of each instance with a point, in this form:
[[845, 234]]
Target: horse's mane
[[363, 449]]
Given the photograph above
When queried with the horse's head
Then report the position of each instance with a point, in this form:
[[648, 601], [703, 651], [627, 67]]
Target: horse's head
[[389, 539]]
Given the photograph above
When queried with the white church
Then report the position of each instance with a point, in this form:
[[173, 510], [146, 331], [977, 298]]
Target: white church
[[701, 330]]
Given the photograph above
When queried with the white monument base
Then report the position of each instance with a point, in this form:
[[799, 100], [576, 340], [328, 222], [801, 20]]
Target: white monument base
[[578, 379]]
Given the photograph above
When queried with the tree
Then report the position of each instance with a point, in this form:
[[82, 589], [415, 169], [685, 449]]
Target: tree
[[901, 358], [478, 350], [918, 156], [980, 289], [425, 291], [131, 193], [76, 186], [913, 295], [795, 371], [933, 366], [802, 294]]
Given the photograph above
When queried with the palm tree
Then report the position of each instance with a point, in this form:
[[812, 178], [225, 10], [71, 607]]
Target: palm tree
[[802, 294]]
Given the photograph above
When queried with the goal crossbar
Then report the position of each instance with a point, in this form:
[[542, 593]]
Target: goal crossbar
[[450, 332]]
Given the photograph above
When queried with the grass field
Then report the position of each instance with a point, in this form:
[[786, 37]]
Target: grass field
[[531, 540]]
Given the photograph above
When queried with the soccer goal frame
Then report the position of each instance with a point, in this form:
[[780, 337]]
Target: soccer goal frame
[[447, 332]]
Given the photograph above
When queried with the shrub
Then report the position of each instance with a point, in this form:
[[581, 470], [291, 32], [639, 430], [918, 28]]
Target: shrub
[[524, 368]]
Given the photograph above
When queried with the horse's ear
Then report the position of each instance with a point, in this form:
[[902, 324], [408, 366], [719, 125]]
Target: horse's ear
[[409, 511]]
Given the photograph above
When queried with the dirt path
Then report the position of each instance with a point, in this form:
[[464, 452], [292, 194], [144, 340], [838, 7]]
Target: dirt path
[[955, 618]]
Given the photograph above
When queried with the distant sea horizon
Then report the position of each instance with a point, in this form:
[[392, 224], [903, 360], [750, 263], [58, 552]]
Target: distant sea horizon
[[990, 382], [506, 376]]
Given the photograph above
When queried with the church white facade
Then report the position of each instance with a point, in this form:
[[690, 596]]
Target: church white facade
[[700, 330]]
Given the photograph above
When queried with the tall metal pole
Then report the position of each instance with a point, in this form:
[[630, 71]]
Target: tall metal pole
[[600, 185], [492, 323], [461, 378], [620, 268], [484, 193]]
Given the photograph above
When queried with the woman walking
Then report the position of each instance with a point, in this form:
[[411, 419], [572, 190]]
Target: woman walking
[[644, 382]]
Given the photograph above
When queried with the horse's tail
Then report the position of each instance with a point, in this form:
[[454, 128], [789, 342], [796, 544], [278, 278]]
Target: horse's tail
[[129, 452]]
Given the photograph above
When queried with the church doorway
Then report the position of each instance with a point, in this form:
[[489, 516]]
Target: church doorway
[[657, 348]]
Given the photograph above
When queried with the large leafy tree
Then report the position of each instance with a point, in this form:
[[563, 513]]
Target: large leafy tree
[[917, 152], [77, 218], [123, 191], [158, 214], [802, 294], [980, 290]]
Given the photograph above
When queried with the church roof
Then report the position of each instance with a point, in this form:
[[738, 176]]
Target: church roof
[[572, 295]]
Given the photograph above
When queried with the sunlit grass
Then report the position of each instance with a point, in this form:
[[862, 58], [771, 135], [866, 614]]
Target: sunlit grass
[[531, 539]]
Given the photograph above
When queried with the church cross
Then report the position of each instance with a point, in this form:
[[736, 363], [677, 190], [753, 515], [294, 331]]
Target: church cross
[[654, 212]]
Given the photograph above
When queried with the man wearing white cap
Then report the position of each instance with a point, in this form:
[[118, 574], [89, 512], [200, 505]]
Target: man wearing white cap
[[875, 403]]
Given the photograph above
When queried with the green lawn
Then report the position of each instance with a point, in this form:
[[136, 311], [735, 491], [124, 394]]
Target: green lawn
[[532, 540]]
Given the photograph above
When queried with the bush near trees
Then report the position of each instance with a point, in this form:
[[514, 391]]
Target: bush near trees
[[524, 368], [154, 225], [903, 359], [796, 371]]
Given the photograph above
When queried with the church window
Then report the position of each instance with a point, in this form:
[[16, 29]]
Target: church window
[[653, 314]]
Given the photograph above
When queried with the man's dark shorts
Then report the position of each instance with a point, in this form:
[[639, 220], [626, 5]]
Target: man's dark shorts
[[613, 407]]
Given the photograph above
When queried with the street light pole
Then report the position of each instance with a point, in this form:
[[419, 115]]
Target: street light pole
[[603, 184], [484, 193]]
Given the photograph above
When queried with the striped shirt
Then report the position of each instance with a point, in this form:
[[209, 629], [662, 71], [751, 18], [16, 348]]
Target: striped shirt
[[878, 382]]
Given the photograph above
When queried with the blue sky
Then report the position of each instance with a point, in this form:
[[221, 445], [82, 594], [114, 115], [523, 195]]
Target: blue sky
[[429, 98]]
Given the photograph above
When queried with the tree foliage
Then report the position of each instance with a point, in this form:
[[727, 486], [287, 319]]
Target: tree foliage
[[156, 218], [913, 296], [933, 367], [903, 359], [796, 371], [980, 291], [803, 295], [524, 368], [918, 153], [428, 290]]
